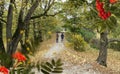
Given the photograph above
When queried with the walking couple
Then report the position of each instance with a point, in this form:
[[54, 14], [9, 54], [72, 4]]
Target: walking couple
[[59, 36]]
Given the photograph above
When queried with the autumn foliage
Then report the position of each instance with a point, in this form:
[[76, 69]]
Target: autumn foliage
[[3, 70], [19, 56], [101, 11], [113, 1]]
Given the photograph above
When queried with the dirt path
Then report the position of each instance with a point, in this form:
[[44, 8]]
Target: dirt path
[[54, 50], [74, 63], [69, 68]]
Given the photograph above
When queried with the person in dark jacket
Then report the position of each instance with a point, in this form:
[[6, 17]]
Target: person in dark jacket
[[62, 37], [57, 36]]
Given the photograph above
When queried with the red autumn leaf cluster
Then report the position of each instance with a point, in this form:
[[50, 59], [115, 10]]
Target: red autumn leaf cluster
[[19, 56], [113, 1], [3, 70], [101, 11]]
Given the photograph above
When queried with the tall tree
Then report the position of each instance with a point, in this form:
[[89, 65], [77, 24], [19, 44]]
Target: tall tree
[[21, 27], [104, 24], [24, 18], [2, 49], [90, 18], [9, 25], [110, 22]]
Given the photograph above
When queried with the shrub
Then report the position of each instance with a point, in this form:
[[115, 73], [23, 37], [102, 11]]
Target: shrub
[[5, 60], [95, 43], [88, 35], [115, 46], [77, 41]]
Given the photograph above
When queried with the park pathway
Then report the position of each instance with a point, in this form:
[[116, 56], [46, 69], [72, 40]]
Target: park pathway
[[54, 50], [72, 62]]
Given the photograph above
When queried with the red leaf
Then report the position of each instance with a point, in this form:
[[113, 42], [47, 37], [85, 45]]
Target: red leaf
[[101, 11], [113, 1], [19, 56], [3, 70], [109, 14]]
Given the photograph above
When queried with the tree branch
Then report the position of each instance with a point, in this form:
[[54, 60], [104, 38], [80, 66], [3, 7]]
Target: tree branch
[[31, 10], [17, 36], [53, 14], [113, 40], [3, 20], [38, 16], [49, 5]]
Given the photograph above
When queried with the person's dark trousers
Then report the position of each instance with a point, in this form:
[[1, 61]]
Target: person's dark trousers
[[56, 40]]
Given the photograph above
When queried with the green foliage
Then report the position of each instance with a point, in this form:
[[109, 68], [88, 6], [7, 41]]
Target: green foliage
[[95, 43], [75, 3], [52, 67], [5, 60], [26, 48], [23, 69], [115, 9], [47, 25], [33, 46], [95, 22], [116, 32], [87, 34], [115, 46]]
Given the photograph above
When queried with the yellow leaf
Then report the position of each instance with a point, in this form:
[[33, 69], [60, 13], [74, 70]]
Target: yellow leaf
[[28, 48], [49, 32], [22, 31], [20, 63]]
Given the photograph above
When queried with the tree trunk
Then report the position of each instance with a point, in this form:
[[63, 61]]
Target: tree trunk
[[2, 49], [15, 40], [21, 27], [16, 37], [40, 36], [102, 58], [27, 32], [9, 25]]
